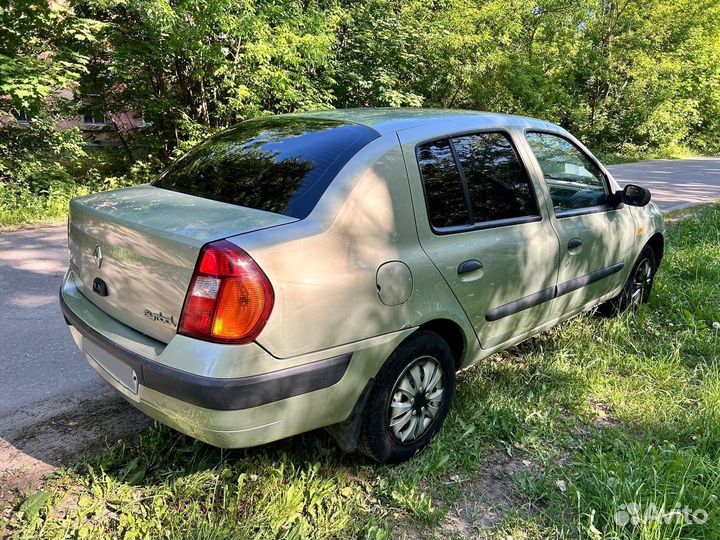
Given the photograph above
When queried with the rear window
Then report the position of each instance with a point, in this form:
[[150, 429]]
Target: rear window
[[280, 164]]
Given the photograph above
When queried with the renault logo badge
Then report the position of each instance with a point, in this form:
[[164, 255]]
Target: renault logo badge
[[98, 256]]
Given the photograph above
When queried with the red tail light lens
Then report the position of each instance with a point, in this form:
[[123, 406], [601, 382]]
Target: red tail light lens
[[230, 298]]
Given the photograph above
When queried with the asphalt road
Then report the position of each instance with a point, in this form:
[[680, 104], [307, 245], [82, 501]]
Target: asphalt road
[[52, 404], [39, 360], [674, 184]]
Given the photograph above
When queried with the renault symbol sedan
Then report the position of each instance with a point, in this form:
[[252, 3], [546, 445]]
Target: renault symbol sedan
[[336, 269]]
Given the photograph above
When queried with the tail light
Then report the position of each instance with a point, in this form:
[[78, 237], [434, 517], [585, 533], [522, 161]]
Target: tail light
[[230, 297]]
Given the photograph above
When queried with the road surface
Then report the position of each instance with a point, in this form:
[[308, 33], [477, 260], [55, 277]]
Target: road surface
[[53, 405], [674, 184]]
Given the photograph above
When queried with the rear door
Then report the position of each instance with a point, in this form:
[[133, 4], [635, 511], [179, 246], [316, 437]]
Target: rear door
[[595, 235], [483, 224]]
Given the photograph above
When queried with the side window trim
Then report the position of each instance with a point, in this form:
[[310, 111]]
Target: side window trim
[[433, 228], [573, 212], [472, 226], [494, 224], [463, 180]]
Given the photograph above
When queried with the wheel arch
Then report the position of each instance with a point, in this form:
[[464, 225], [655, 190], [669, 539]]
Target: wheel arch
[[346, 433], [657, 243], [453, 335]]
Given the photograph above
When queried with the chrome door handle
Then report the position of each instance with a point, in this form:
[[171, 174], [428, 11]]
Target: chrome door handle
[[574, 243], [469, 266]]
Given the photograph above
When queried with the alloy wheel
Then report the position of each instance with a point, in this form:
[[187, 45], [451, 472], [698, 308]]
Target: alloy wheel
[[641, 283]]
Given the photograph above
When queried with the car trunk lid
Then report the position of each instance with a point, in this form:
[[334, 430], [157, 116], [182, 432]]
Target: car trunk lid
[[140, 246]]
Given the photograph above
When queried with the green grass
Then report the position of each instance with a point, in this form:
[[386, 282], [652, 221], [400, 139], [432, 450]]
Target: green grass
[[20, 207], [550, 439]]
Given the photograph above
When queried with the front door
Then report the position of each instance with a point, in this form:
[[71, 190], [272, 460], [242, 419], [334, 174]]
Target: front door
[[482, 223], [595, 235]]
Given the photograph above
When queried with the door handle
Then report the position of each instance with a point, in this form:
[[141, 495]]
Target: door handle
[[469, 266], [574, 243]]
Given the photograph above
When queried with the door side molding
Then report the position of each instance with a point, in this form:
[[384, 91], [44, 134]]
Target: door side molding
[[532, 300], [521, 304], [587, 279]]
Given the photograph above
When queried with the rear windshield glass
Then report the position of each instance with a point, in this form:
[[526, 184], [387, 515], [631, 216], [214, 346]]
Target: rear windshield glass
[[280, 164]]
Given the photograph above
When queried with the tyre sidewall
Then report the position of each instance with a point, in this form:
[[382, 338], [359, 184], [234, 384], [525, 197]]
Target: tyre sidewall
[[646, 253], [378, 440]]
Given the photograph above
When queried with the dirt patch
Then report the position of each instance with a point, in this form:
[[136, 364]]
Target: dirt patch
[[603, 414], [37, 449], [486, 497]]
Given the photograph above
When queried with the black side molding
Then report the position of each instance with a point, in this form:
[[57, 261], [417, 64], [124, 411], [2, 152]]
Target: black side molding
[[532, 300], [221, 394], [583, 281], [526, 302]]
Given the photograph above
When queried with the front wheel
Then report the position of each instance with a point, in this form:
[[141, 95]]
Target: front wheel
[[638, 286], [410, 399]]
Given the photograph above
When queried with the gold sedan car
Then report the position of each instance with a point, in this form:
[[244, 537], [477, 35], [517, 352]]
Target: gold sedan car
[[336, 269]]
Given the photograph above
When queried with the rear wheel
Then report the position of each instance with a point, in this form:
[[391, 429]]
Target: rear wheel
[[638, 286], [410, 399]]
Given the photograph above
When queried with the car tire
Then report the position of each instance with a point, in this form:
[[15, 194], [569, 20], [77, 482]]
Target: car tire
[[402, 414], [638, 287]]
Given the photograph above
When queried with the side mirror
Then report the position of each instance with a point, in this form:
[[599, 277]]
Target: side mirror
[[635, 195]]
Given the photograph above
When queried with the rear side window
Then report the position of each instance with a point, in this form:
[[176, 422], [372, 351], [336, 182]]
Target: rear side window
[[443, 189], [573, 179], [475, 179], [498, 184], [280, 164]]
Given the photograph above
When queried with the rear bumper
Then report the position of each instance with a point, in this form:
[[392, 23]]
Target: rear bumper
[[216, 393], [270, 403]]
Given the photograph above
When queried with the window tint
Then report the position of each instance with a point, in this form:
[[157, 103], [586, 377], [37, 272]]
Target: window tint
[[443, 189], [573, 179], [280, 164], [498, 184]]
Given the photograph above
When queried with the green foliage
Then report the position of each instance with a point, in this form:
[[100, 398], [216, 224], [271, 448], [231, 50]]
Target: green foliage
[[631, 78], [31, 507], [43, 167], [40, 53], [191, 66]]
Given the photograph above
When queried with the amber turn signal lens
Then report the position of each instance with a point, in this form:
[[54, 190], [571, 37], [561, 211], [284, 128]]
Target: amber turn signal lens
[[239, 309]]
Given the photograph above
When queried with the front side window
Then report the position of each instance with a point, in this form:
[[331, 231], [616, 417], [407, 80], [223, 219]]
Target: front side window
[[280, 164], [573, 179], [496, 179]]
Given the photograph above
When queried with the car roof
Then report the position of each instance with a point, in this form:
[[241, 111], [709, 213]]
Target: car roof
[[391, 119]]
